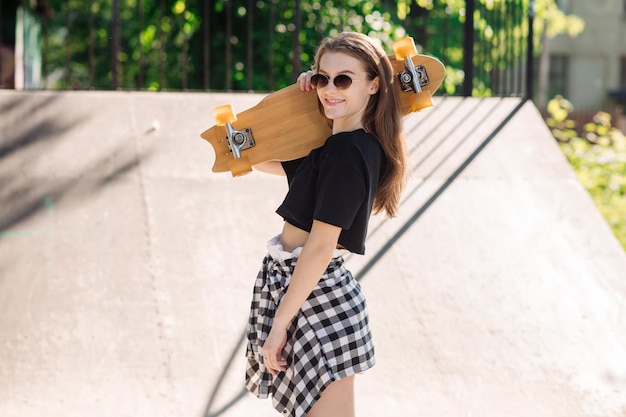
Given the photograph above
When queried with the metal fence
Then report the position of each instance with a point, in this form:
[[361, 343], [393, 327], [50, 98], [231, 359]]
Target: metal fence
[[486, 46]]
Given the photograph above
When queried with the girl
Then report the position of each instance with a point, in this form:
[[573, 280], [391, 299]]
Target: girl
[[308, 332]]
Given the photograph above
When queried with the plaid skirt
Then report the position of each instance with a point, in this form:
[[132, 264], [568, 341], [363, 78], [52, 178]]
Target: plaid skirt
[[329, 339]]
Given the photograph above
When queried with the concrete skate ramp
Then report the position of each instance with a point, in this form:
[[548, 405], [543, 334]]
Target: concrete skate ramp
[[126, 266]]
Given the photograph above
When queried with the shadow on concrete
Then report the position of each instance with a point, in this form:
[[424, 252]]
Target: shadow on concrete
[[237, 350], [439, 192], [34, 133], [26, 138]]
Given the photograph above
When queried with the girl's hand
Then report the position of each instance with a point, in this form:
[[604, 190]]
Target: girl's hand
[[304, 79], [272, 350]]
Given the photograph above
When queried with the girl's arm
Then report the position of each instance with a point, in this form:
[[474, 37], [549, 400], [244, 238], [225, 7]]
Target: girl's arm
[[270, 167], [312, 262]]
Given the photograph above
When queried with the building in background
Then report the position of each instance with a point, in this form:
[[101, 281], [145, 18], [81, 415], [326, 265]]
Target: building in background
[[20, 43], [7, 43], [590, 69]]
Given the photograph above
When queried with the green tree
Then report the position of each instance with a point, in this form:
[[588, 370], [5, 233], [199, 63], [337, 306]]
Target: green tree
[[246, 44], [598, 156]]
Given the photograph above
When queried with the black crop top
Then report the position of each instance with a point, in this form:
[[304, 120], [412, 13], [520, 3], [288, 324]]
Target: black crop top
[[335, 184]]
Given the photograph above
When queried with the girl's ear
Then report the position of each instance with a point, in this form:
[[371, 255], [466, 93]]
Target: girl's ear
[[375, 85]]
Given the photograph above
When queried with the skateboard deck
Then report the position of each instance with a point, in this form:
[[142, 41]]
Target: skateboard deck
[[288, 124]]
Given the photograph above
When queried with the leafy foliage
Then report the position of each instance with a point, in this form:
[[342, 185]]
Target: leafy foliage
[[249, 44], [598, 156], [246, 44]]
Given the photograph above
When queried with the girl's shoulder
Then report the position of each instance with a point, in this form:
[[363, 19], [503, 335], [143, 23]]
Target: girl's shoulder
[[357, 139], [357, 149]]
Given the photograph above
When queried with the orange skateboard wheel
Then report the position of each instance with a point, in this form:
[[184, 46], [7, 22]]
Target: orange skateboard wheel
[[224, 114], [240, 166], [404, 48]]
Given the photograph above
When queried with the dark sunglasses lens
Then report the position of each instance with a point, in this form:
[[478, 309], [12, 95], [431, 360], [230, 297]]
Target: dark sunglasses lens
[[319, 81], [342, 81]]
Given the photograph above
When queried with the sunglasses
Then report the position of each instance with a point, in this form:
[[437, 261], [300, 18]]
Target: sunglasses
[[342, 81]]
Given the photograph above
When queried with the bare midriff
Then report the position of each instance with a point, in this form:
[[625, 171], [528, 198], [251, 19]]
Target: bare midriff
[[292, 237]]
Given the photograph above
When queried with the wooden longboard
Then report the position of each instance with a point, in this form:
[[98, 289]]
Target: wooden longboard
[[287, 124]]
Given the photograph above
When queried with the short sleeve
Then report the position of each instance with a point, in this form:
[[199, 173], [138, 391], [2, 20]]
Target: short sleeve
[[290, 168]]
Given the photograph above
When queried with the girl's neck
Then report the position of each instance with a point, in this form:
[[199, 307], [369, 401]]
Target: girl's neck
[[339, 127]]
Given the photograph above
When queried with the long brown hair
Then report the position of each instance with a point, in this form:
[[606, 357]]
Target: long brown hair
[[382, 116]]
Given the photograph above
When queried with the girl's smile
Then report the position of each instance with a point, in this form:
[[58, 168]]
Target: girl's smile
[[345, 106]]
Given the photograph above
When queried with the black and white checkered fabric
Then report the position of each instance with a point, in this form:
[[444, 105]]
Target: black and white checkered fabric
[[328, 340]]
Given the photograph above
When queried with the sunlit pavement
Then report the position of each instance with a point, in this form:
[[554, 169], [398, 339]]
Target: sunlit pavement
[[126, 266]]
